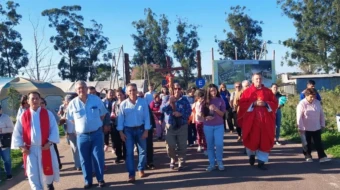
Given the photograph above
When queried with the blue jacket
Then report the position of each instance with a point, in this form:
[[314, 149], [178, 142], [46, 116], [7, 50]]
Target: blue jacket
[[224, 95]]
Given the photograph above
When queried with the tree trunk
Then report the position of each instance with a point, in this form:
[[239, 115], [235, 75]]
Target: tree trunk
[[8, 65]]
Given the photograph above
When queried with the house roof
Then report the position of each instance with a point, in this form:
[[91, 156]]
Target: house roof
[[315, 76]]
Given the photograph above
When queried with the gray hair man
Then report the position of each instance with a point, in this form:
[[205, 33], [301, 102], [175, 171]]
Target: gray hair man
[[133, 125], [87, 112]]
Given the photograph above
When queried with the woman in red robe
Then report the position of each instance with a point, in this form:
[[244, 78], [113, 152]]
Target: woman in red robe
[[256, 117]]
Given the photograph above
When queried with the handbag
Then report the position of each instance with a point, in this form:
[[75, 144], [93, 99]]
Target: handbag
[[5, 140]]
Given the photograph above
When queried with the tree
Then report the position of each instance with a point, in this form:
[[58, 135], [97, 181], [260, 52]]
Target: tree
[[151, 40], [244, 35], [94, 44], [185, 48], [68, 41], [13, 100], [79, 46], [13, 55], [102, 71], [39, 68], [316, 44], [147, 72]]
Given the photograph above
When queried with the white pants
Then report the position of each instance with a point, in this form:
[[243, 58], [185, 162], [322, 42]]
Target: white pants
[[34, 169], [262, 156]]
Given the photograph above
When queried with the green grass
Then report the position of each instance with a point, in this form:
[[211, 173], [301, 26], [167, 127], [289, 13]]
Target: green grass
[[61, 131], [16, 157], [331, 142]]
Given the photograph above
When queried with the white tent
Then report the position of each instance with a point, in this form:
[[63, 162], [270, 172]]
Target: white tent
[[52, 94]]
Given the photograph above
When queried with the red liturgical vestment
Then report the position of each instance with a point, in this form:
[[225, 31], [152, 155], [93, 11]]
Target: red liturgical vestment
[[257, 122], [45, 131]]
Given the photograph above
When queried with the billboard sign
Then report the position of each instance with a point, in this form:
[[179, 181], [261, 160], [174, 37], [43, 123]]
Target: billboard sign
[[231, 71]]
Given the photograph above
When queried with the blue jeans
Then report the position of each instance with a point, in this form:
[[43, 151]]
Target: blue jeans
[[134, 136], [214, 138], [91, 147], [278, 123], [5, 154]]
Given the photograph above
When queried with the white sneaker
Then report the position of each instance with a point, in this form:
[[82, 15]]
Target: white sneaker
[[309, 160], [210, 168], [205, 153], [199, 149], [106, 148], [325, 159]]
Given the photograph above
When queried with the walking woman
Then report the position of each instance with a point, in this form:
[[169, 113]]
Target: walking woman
[[228, 116], [311, 120], [214, 110]]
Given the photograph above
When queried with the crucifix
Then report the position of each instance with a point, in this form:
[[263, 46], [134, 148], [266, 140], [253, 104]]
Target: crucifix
[[167, 73]]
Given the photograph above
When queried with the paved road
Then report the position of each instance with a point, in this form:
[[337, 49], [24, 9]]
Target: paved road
[[287, 170]]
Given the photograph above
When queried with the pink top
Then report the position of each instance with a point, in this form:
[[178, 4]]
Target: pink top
[[198, 113], [310, 116]]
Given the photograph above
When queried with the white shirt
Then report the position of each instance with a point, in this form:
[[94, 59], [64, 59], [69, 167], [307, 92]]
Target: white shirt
[[133, 115], [6, 124], [86, 116], [149, 97], [17, 137]]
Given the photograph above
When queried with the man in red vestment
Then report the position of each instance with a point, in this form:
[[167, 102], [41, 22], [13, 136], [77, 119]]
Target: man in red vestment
[[256, 117]]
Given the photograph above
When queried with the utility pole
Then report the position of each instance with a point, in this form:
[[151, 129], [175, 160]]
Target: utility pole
[[199, 68], [127, 68], [212, 63]]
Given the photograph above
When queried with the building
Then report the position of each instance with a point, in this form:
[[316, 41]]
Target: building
[[322, 81]]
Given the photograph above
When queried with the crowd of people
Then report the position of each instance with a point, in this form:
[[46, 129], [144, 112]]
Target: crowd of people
[[131, 120]]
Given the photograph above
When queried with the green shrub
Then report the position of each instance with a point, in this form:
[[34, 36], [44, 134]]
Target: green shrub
[[61, 131]]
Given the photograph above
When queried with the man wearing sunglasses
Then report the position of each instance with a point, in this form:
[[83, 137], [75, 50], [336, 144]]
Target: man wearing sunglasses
[[177, 110]]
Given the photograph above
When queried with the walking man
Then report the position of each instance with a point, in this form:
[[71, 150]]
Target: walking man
[[34, 134], [87, 112], [256, 117], [177, 110], [133, 126]]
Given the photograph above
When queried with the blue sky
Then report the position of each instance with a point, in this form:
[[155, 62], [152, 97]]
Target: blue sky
[[117, 16]]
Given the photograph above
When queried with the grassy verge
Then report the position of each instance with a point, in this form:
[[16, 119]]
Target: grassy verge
[[16, 157], [61, 131], [330, 140], [330, 135]]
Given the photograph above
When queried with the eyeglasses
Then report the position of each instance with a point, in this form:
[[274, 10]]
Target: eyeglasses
[[177, 88], [237, 86]]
